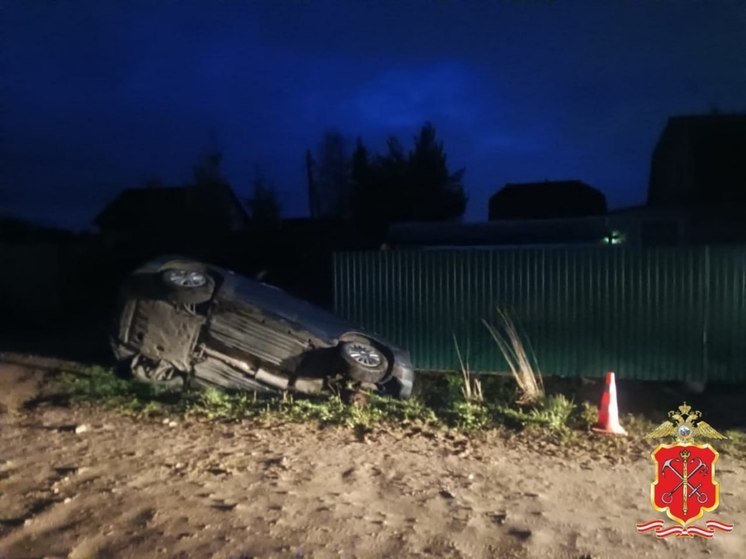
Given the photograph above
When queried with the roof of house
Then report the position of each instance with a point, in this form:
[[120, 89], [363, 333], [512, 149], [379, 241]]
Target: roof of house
[[548, 199], [154, 207], [145, 205], [699, 160], [707, 119], [717, 131], [503, 232]]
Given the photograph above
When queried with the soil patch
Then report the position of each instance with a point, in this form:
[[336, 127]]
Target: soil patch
[[81, 482]]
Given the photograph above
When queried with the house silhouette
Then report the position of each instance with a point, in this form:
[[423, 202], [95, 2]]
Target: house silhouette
[[699, 161], [546, 200], [173, 211]]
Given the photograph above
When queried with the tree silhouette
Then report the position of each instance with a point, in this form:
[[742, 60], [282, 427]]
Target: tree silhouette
[[154, 181], [208, 172], [313, 202], [263, 205], [210, 196], [406, 187], [437, 193], [329, 178], [4, 193]]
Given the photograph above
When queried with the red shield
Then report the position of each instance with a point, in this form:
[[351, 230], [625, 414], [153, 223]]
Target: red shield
[[685, 486]]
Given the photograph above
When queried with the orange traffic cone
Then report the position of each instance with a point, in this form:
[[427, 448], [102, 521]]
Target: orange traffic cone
[[608, 413]]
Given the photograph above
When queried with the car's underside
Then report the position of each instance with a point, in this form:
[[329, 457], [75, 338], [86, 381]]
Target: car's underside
[[234, 347], [191, 336]]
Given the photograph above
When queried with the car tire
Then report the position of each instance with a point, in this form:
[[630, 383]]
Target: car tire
[[364, 361], [188, 287]]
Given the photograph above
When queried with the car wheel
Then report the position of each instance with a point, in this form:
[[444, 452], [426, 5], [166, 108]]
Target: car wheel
[[189, 287], [364, 361], [156, 372]]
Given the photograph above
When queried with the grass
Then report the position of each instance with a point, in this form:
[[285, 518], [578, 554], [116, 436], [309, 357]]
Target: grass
[[326, 410], [100, 385], [439, 402], [553, 413], [464, 401], [519, 357], [472, 389]]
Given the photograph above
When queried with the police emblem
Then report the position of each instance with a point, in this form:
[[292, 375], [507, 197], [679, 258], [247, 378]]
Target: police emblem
[[685, 487]]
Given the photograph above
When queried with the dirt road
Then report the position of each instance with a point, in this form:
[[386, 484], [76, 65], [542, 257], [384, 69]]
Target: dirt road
[[83, 483]]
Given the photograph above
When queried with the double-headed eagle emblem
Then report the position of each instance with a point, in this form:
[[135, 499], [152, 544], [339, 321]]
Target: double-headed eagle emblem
[[685, 487], [685, 426]]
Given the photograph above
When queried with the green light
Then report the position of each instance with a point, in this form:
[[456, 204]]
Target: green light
[[614, 238]]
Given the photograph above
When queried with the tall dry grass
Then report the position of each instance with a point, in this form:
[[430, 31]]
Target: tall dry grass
[[520, 359], [472, 388]]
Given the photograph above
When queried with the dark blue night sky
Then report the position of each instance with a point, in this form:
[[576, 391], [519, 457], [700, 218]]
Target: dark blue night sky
[[99, 96]]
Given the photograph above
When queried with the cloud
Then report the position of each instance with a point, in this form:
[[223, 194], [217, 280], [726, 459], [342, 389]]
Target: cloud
[[403, 98], [467, 110]]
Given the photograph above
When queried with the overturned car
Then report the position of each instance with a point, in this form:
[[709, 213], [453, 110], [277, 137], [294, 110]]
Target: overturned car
[[180, 321]]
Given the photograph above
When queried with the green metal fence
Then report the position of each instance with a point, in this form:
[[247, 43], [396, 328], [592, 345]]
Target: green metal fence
[[653, 314]]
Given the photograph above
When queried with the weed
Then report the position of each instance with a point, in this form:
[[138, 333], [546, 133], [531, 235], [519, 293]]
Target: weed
[[439, 401], [331, 410], [216, 404], [470, 416], [552, 413], [472, 389], [100, 385], [520, 362], [587, 415], [438, 391], [557, 411], [95, 383]]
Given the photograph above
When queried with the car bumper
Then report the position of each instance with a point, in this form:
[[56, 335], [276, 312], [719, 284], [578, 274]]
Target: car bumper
[[401, 380]]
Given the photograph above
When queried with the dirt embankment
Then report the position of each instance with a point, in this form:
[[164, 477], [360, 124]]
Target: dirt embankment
[[84, 483]]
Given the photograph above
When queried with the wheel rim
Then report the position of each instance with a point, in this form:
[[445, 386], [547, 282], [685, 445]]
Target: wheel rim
[[186, 278], [364, 355], [159, 372]]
